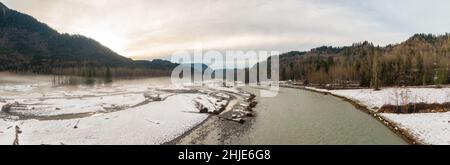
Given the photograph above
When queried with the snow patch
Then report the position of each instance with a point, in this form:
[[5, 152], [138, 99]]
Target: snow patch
[[430, 128], [393, 96]]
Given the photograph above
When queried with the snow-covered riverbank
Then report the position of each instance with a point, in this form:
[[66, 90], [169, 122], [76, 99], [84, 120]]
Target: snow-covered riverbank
[[131, 112], [427, 128], [153, 123]]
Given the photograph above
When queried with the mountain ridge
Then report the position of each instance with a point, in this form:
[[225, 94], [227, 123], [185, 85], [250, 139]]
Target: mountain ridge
[[27, 45]]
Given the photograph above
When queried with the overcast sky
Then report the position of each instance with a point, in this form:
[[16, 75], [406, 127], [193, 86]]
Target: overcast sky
[[147, 29]]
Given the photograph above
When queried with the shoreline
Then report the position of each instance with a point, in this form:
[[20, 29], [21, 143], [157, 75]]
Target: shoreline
[[218, 129], [215, 123], [403, 133]]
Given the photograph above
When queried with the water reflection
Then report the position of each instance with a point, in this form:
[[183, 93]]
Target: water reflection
[[76, 80], [22, 81]]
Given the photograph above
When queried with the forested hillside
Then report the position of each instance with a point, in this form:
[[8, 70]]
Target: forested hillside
[[421, 60], [27, 45]]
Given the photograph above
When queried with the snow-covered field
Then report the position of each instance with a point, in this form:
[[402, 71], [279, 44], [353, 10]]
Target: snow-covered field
[[122, 113], [428, 128], [396, 96], [154, 123]]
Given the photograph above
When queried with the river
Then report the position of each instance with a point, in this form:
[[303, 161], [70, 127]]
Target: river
[[293, 117], [303, 117]]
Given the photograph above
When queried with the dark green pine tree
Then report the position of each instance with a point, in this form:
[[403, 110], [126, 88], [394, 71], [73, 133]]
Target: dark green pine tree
[[108, 75]]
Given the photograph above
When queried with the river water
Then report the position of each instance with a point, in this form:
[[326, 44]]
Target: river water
[[293, 117], [303, 117]]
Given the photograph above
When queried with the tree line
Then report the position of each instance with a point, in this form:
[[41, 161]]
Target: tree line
[[421, 60]]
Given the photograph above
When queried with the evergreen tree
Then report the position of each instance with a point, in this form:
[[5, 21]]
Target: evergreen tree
[[375, 80], [108, 75]]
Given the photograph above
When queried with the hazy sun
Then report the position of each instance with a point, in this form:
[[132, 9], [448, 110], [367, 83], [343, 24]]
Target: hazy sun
[[107, 38]]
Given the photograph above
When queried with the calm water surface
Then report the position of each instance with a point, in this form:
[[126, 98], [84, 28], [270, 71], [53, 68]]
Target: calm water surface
[[303, 117]]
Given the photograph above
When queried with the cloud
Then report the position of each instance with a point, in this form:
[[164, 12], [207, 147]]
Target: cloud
[[147, 29]]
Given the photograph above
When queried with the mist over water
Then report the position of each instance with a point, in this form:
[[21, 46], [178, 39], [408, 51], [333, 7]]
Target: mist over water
[[20, 84]]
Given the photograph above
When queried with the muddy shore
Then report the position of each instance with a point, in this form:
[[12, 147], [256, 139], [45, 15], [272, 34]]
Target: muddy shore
[[220, 129], [213, 131]]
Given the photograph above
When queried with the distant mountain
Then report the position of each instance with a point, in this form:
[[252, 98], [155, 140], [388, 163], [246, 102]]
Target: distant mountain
[[156, 64], [29, 45], [197, 67]]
